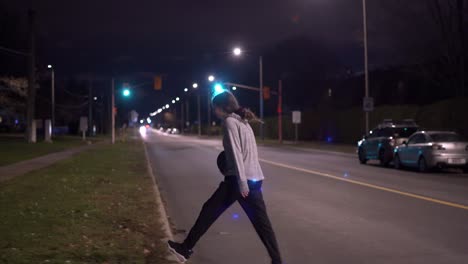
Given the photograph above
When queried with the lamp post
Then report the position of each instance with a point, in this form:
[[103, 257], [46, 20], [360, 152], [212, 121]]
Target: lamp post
[[366, 60], [195, 86], [237, 52], [52, 87]]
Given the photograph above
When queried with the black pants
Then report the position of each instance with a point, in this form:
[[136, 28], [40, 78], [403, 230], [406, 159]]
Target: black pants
[[254, 206]]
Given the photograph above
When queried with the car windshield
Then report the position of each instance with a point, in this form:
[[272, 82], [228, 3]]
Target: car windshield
[[404, 132], [446, 137]]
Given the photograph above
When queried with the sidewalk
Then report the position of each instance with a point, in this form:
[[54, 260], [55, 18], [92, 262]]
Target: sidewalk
[[10, 171]]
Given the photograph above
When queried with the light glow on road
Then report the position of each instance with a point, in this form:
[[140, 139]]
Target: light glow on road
[[142, 131]]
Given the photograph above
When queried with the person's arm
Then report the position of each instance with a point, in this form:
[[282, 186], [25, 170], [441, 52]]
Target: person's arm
[[236, 153]]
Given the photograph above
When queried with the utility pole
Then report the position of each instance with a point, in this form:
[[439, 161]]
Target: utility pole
[[280, 111], [366, 60], [199, 114], [53, 98], [31, 100], [187, 117], [209, 111], [90, 107], [262, 136], [182, 118], [113, 111]]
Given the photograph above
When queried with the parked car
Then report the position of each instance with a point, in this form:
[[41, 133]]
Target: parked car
[[379, 144], [427, 150]]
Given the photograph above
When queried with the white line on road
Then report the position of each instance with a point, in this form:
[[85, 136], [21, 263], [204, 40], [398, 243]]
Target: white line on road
[[416, 196]]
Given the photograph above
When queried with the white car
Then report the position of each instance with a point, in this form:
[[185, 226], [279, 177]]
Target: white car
[[427, 150]]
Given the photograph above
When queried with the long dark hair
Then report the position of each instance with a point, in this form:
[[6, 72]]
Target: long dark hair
[[229, 104]]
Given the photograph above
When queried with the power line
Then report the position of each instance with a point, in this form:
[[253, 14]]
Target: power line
[[14, 51]]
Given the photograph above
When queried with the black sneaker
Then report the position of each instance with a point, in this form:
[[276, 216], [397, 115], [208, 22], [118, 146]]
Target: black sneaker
[[179, 250]]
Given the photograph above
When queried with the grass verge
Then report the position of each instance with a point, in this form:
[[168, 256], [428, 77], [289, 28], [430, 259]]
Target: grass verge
[[15, 149], [97, 207]]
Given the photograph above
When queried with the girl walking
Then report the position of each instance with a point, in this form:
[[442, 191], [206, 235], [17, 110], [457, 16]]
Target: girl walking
[[242, 182]]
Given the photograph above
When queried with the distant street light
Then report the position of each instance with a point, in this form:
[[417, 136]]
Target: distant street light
[[237, 51], [234, 88], [186, 90], [167, 106], [195, 85], [177, 99], [211, 78], [95, 98], [173, 101]]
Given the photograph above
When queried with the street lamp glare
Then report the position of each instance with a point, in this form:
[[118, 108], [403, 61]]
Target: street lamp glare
[[234, 88], [237, 51], [49, 66], [211, 78], [167, 106], [195, 85], [177, 99], [186, 90], [173, 101]]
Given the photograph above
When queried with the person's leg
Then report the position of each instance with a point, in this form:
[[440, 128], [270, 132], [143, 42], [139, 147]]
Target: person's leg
[[255, 208], [221, 200]]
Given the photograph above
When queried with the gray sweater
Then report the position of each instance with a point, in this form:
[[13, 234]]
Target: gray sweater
[[241, 151]]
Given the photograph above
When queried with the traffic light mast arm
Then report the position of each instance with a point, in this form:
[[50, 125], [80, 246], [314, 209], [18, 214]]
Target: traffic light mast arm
[[252, 88]]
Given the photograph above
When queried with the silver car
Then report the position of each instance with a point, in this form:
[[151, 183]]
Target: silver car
[[427, 150]]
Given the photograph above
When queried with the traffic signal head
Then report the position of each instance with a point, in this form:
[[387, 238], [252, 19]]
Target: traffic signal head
[[126, 92], [217, 89]]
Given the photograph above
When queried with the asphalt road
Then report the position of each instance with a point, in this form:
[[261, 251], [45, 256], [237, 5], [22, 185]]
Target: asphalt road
[[325, 207]]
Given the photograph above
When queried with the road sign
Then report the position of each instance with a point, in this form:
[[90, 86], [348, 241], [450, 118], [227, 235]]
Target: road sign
[[296, 117], [83, 124], [368, 104]]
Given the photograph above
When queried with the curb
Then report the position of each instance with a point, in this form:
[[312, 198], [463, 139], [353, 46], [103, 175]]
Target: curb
[[161, 209]]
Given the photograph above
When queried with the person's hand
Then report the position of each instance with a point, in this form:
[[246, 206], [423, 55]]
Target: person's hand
[[245, 194]]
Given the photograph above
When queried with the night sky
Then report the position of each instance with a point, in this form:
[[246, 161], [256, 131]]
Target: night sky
[[186, 40]]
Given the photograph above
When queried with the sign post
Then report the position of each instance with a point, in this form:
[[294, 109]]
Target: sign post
[[83, 126], [296, 119]]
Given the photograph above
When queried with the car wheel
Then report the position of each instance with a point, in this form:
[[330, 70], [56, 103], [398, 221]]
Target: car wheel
[[397, 162], [422, 165], [382, 160], [362, 156]]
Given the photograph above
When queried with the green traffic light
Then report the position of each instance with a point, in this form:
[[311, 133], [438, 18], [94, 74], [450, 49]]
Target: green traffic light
[[126, 92]]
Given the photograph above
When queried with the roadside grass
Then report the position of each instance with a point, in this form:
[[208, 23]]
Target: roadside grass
[[97, 207], [15, 149]]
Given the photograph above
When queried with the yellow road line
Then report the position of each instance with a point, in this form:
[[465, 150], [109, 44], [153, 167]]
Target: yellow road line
[[416, 196]]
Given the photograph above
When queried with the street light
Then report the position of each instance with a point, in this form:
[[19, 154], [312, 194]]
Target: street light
[[177, 99], [234, 88], [167, 106], [195, 85], [52, 88], [211, 78], [237, 51], [173, 101], [186, 90]]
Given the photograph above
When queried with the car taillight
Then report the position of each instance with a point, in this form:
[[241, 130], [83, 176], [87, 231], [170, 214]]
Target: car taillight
[[438, 147]]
